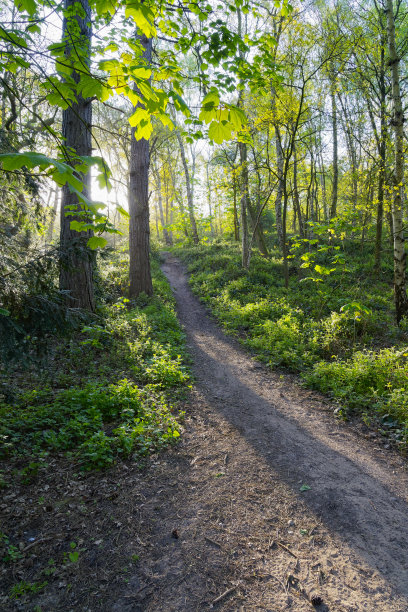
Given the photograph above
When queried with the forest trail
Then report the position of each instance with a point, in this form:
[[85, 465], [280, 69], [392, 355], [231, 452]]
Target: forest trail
[[255, 440], [226, 519]]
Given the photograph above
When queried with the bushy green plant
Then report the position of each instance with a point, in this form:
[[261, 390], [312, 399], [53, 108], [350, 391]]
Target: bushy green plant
[[108, 396], [74, 420]]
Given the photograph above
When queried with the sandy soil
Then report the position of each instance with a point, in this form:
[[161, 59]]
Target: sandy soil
[[266, 503]]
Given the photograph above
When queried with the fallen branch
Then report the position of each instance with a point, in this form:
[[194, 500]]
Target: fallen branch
[[287, 549], [212, 541], [224, 594], [40, 541]]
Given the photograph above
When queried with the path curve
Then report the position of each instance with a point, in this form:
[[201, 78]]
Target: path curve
[[222, 521], [358, 495]]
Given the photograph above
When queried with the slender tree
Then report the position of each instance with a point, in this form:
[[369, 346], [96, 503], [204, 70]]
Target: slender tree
[[400, 291], [189, 190]]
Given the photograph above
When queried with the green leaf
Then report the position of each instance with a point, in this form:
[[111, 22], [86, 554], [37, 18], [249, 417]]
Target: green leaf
[[219, 132], [122, 211], [144, 130], [96, 242], [179, 103], [166, 120], [105, 6], [140, 114], [237, 117], [211, 99], [78, 226], [209, 107], [304, 487], [4, 312], [73, 556], [323, 270], [142, 15], [11, 37], [60, 172], [29, 6]]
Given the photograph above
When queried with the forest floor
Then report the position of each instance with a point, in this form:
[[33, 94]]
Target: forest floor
[[266, 503]]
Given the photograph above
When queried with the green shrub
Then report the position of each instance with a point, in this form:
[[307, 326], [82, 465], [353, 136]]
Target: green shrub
[[76, 420], [112, 381]]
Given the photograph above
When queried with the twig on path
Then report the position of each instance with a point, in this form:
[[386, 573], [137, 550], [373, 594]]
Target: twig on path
[[271, 544], [212, 541], [40, 541], [280, 582], [224, 594], [287, 549]]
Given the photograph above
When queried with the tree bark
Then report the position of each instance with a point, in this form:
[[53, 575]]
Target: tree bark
[[177, 196], [246, 254], [169, 205], [54, 211], [190, 202], [160, 204], [209, 199], [400, 292], [333, 209], [279, 195], [76, 260], [382, 153], [235, 211], [139, 227], [323, 185], [296, 200]]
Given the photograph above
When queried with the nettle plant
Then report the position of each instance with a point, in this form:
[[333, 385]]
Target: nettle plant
[[321, 247]]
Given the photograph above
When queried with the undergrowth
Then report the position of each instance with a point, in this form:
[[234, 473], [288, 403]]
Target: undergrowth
[[337, 331], [106, 390]]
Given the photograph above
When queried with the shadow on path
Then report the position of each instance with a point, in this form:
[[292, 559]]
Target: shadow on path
[[352, 490]]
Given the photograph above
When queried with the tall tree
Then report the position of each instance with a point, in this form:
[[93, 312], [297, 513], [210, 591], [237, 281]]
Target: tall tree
[[400, 291], [333, 207], [77, 261], [139, 228]]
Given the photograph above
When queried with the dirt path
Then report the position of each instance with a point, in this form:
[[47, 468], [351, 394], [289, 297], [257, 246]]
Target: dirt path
[[220, 521], [253, 440]]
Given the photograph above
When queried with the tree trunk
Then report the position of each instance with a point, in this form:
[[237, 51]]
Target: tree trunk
[[169, 206], [246, 254], [333, 209], [235, 211], [209, 199], [278, 201], [296, 201], [139, 227], [400, 292], [177, 196], [257, 228], [54, 211], [160, 203], [323, 185], [382, 153], [190, 202], [255, 213], [76, 260], [351, 150], [156, 219]]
